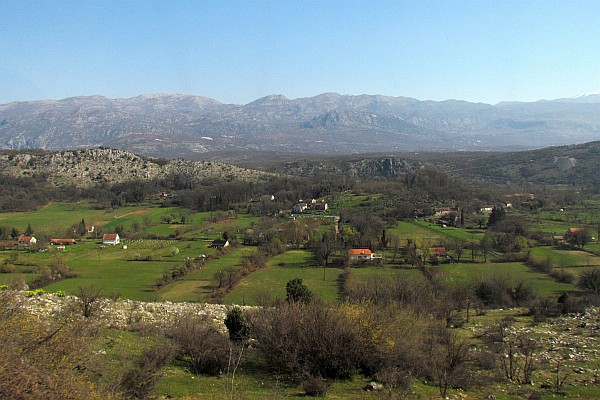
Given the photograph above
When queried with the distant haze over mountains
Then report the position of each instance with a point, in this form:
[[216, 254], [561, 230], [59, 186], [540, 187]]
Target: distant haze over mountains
[[174, 125]]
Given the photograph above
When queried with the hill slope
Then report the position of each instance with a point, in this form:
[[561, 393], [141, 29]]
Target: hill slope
[[85, 168]]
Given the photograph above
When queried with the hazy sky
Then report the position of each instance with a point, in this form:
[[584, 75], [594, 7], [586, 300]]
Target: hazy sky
[[237, 51]]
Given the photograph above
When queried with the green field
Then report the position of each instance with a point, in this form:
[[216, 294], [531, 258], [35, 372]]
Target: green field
[[199, 285], [409, 230], [119, 271], [565, 258], [270, 282], [133, 272], [451, 232], [515, 272]]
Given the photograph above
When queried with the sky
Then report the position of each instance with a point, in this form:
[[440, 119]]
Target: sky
[[237, 51]]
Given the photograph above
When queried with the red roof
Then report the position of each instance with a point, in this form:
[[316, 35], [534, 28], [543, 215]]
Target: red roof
[[574, 230], [110, 236], [61, 241], [437, 251], [357, 252], [25, 239]]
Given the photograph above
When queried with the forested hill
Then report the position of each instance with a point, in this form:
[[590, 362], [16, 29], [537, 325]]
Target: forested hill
[[577, 165], [565, 165]]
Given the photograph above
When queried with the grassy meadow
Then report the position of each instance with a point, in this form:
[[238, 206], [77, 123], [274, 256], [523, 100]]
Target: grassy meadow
[[158, 240]]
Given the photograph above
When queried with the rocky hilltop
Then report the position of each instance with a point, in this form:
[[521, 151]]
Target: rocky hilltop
[[84, 168]]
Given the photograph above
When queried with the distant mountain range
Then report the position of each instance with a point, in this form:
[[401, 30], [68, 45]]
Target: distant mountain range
[[174, 125]]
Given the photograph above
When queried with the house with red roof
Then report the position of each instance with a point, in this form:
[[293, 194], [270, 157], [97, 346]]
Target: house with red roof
[[362, 255], [111, 238], [27, 240]]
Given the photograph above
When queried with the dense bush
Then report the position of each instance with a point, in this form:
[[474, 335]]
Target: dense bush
[[308, 340], [500, 291], [296, 291], [201, 345], [237, 324], [590, 281]]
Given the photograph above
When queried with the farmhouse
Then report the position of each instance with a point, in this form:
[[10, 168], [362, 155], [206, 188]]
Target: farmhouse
[[362, 254], [62, 242], [27, 240], [299, 208], [438, 255], [441, 212], [111, 238], [319, 205], [314, 205]]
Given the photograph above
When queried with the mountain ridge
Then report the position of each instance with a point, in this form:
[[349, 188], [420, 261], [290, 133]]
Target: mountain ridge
[[177, 125]]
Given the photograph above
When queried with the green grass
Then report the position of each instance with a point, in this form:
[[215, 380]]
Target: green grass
[[515, 271], [450, 232], [409, 230], [364, 274], [565, 258], [115, 270], [270, 282], [112, 270], [54, 216], [198, 285]]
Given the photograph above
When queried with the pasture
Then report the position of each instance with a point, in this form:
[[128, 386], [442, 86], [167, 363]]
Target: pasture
[[269, 282], [451, 232], [130, 273], [200, 284], [514, 272], [179, 233]]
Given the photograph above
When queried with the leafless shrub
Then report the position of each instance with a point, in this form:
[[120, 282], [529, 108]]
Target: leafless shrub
[[315, 386], [89, 299], [201, 345], [138, 382], [308, 340]]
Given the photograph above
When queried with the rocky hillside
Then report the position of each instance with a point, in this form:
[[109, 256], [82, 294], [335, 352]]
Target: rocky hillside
[[363, 167], [567, 165], [194, 127], [84, 168]]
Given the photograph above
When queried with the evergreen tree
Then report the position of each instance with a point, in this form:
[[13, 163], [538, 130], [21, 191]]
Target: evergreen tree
[[296, 291], [497, 215]]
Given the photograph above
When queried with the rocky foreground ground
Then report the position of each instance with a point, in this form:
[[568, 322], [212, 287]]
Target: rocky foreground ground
[[120, 314]]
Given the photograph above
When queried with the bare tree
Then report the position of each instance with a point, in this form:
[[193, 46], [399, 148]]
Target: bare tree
[[445, 358], [89, 299]]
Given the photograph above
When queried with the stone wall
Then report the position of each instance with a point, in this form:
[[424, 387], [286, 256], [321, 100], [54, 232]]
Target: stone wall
[[121, 314]]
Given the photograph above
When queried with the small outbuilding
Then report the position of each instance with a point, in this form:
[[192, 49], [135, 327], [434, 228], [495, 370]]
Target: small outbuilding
[[220, 243], [62, 242]]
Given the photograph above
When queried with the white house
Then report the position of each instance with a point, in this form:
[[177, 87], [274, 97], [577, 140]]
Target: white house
[[111, 238], [362, 254]]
